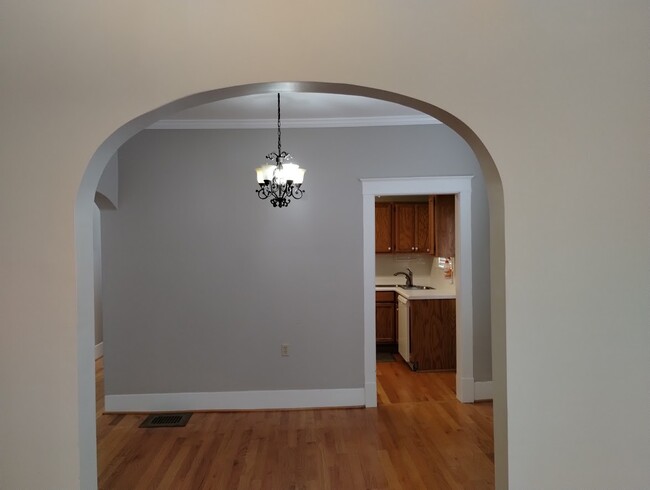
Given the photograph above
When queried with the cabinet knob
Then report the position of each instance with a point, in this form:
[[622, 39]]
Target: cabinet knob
[[428, 250], [412, 248], [388, 248], [416, 248]]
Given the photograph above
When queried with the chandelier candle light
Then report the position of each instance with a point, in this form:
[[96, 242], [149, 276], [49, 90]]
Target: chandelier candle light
[[280, 180]]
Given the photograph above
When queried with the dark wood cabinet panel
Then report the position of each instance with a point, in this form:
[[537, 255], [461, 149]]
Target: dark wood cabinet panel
[[445, 318], [383, 227], [385, 296], [423, 233], [404, 227], [385, 326], [445, 225], [433, 334], [385, 317]]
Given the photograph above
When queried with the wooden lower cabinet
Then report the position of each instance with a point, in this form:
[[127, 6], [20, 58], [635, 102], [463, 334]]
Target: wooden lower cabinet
[[385, 314], [433, 334]]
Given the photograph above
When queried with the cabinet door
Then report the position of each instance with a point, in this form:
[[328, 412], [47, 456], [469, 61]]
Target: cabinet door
[[385, 326], [445, 228], [422, 230], [404, 227], [445, 339], [433, 334], [383, 227]]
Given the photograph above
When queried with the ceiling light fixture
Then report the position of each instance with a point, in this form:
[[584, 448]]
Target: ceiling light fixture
[[280, 180]]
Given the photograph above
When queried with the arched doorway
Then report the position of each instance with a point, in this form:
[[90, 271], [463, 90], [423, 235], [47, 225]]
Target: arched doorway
[[84, 253]]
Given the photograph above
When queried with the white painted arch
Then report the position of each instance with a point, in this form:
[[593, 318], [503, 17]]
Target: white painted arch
[[461, 186], [84, 253]]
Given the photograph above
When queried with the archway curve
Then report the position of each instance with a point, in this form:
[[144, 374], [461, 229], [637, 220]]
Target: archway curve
[[84, 259]]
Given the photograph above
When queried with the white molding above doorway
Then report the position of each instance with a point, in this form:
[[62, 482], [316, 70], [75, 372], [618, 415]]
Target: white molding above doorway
[[461, 186]]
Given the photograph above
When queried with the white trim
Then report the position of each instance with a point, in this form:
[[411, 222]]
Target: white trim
[[329, 122], [369, 342], [370, 395], [235, 400], [461, 186], [483, 390], [465, 386], [99, 350]]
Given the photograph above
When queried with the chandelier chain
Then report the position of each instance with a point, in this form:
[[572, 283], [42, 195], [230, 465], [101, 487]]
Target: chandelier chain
[[279, 129]]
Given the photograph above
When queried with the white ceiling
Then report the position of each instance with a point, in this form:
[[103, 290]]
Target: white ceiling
[[299, 109]]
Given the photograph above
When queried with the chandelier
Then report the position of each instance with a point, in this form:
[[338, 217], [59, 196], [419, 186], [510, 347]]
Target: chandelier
[[280, 180]]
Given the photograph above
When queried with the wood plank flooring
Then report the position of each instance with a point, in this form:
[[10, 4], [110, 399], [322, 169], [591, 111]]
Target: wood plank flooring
[[419, 437]]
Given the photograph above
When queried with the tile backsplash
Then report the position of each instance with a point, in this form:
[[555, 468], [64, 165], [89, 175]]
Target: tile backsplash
[[425, 270]]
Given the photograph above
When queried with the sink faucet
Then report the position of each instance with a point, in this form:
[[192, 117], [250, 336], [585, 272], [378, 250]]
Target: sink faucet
[[408, 275]]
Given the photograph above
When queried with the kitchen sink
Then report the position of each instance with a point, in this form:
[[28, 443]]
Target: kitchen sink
[[421, 288]]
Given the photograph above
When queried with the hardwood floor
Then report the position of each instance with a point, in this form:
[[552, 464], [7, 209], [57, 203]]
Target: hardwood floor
[[419, 437]]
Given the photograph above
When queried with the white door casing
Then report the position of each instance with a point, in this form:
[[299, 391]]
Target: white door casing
[[461, 186]]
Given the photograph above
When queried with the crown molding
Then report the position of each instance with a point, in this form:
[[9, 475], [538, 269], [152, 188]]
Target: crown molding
[[337, 122]]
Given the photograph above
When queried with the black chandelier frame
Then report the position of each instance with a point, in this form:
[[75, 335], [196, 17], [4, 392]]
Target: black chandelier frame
[[280, 193]]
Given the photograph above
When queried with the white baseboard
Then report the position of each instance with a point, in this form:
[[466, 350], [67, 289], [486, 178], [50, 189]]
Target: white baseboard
[[483, 390], [99, 350], [370, 395], [235, 400], [465, 390]]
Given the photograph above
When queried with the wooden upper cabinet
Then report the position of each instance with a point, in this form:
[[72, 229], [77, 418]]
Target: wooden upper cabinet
[[412, 230], [383, 227], [444, 225], [404, 227], [415, 227], [423, 232]]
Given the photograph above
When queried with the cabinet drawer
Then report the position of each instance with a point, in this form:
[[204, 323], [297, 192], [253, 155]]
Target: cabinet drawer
[[384, 296]]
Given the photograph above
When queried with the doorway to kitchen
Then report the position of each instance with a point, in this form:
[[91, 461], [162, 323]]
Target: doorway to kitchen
[[415, 320], [460, 186], [415, 291]]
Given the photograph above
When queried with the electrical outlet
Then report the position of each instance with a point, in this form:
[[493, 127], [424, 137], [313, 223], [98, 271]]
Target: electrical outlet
[[284, 350]]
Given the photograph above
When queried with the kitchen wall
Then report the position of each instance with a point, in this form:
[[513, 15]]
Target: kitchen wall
[[425, 271], [203, 281]]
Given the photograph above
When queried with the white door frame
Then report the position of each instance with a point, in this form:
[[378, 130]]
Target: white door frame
[[461, 186]]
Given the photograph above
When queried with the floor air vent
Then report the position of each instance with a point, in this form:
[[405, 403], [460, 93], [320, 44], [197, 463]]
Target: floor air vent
[[166, 420]]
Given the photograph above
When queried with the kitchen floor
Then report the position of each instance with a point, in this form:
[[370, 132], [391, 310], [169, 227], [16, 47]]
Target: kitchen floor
[[419, 437], [396, 383]]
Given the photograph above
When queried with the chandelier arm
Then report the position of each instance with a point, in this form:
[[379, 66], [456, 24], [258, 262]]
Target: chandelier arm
[[297, 192]]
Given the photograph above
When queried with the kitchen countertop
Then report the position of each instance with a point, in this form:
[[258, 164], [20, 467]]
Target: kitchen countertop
[[413, 294]]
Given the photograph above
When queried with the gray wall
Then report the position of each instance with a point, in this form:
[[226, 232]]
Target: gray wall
[[203, 281]]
